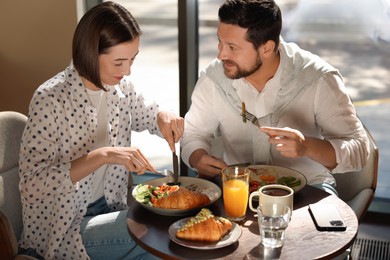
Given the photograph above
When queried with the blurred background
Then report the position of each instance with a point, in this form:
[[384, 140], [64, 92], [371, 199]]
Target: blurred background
[[352, 35]]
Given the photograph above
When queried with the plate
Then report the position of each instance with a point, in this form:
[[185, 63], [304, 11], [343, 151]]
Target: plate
[[226, 240], [284, 172], [202, 185]]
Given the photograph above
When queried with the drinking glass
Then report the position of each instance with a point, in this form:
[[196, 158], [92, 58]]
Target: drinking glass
[[235, 186], [273, 219]]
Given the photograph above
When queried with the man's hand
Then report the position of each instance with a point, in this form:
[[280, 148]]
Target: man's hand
[[171, 127], [292, 143], [207, 166], [289, 142]]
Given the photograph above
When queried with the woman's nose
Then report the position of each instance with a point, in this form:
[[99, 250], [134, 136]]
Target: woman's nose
[[126, 71]]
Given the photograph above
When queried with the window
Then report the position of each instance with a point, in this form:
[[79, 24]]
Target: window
[[352, 35]]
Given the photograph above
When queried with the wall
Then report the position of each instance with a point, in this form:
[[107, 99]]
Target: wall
[[35, 44]]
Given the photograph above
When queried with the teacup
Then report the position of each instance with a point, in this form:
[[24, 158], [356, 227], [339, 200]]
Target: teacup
[[273, 194]]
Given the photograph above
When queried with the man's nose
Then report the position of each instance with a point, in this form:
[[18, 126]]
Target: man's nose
[[222, 54]]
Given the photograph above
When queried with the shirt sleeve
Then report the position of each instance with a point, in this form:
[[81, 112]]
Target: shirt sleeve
[[143, 112], [337, 117], [43, 174], [201, 122]]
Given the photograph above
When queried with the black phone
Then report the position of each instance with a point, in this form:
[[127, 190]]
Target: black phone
[[326, 217]]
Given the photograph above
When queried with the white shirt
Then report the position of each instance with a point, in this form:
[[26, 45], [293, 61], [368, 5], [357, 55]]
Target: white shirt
[[323, 110], [99, 101], [61, 127]]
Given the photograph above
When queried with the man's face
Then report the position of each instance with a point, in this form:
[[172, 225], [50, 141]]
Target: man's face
[[239, 57]]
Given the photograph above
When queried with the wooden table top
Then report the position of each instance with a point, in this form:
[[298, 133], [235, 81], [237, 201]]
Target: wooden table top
[[303, 241]]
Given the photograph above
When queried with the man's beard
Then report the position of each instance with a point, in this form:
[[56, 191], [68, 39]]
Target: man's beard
[[240, 73]]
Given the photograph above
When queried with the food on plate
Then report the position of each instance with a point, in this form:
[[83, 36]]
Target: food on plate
[[289, 181], [170, 197], [204, 227], [262, 176], [182, 199]]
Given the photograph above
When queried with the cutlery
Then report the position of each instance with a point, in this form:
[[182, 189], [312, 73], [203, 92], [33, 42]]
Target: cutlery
[[248, 116], [240, 164], [175, 161], [167, 173]]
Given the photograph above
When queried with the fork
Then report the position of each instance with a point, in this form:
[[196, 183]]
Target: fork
[[248, 116]]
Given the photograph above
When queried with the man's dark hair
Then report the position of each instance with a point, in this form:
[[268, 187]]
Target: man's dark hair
[[262, 18]]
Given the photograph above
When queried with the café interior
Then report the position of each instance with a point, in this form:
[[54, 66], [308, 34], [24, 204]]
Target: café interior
[[179, 39]]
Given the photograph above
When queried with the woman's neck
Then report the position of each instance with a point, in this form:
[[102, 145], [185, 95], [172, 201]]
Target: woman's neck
[[89, 85]]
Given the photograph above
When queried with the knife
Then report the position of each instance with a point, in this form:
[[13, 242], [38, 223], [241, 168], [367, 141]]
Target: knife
[[175, 167]]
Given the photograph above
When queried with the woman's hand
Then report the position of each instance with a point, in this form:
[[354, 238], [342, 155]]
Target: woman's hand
[[130, 157], [171, 126]]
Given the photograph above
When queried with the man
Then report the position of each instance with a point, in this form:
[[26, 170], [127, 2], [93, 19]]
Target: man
[[307, 121]]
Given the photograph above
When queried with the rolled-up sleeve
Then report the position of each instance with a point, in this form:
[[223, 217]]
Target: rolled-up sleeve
[[340, 125]]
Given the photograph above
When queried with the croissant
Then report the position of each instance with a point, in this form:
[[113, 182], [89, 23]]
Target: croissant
[[182, 199], [204, 227]]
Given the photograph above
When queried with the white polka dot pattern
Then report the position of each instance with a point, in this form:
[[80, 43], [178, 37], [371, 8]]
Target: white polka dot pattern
[[62, 127]]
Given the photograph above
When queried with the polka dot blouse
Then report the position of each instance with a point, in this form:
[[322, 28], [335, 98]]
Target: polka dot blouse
[[62, 127]]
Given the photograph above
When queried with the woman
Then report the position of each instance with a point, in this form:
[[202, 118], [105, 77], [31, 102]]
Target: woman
[[76, 151]]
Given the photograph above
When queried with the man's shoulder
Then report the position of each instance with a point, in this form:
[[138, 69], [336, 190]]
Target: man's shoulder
[[214, 66], [216, 73]]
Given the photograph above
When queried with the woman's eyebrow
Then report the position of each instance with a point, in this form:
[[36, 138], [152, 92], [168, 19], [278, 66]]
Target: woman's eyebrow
[[123, 59]]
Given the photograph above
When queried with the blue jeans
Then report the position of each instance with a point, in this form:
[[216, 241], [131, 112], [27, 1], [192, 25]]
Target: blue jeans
[[105, 234]]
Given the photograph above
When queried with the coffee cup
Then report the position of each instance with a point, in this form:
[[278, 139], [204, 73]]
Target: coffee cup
[[273, 194]]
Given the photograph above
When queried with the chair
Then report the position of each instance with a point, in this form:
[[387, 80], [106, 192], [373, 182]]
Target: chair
[[11, 129], [357, 189]]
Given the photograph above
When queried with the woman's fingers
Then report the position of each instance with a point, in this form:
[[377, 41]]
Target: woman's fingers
[[139, 163]]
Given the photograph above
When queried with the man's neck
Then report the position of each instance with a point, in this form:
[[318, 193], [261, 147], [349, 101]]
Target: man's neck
[[265, 72]]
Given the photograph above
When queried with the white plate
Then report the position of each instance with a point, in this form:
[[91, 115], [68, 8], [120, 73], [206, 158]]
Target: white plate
[[284, 172], [204, 186], [226, 240]]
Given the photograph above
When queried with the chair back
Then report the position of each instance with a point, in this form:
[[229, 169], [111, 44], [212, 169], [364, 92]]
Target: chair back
[[358, 188], [11, 129]]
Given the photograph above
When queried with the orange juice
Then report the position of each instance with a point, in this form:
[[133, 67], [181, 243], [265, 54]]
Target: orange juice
[[235, 198]]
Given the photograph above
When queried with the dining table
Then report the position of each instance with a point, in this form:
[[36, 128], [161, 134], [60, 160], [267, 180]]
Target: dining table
[[302, 241]]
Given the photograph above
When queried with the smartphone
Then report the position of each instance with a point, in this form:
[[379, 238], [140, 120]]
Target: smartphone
[[326, 217]]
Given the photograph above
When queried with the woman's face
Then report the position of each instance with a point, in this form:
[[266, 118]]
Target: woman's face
[[117, 62]]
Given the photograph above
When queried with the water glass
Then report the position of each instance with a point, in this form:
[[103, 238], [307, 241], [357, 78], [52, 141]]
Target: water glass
[[273, 220]]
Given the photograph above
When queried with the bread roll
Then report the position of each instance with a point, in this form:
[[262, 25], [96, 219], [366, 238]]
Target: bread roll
[[182, 199], [204, 227]]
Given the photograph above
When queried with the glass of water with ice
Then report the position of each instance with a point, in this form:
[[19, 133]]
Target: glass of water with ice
[[273, 220]]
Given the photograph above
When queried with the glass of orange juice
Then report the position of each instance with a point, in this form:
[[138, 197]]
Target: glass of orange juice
[[235, 187]]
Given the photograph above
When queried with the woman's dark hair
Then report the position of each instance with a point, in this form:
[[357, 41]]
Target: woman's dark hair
[[262, 18], [103, 26]]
